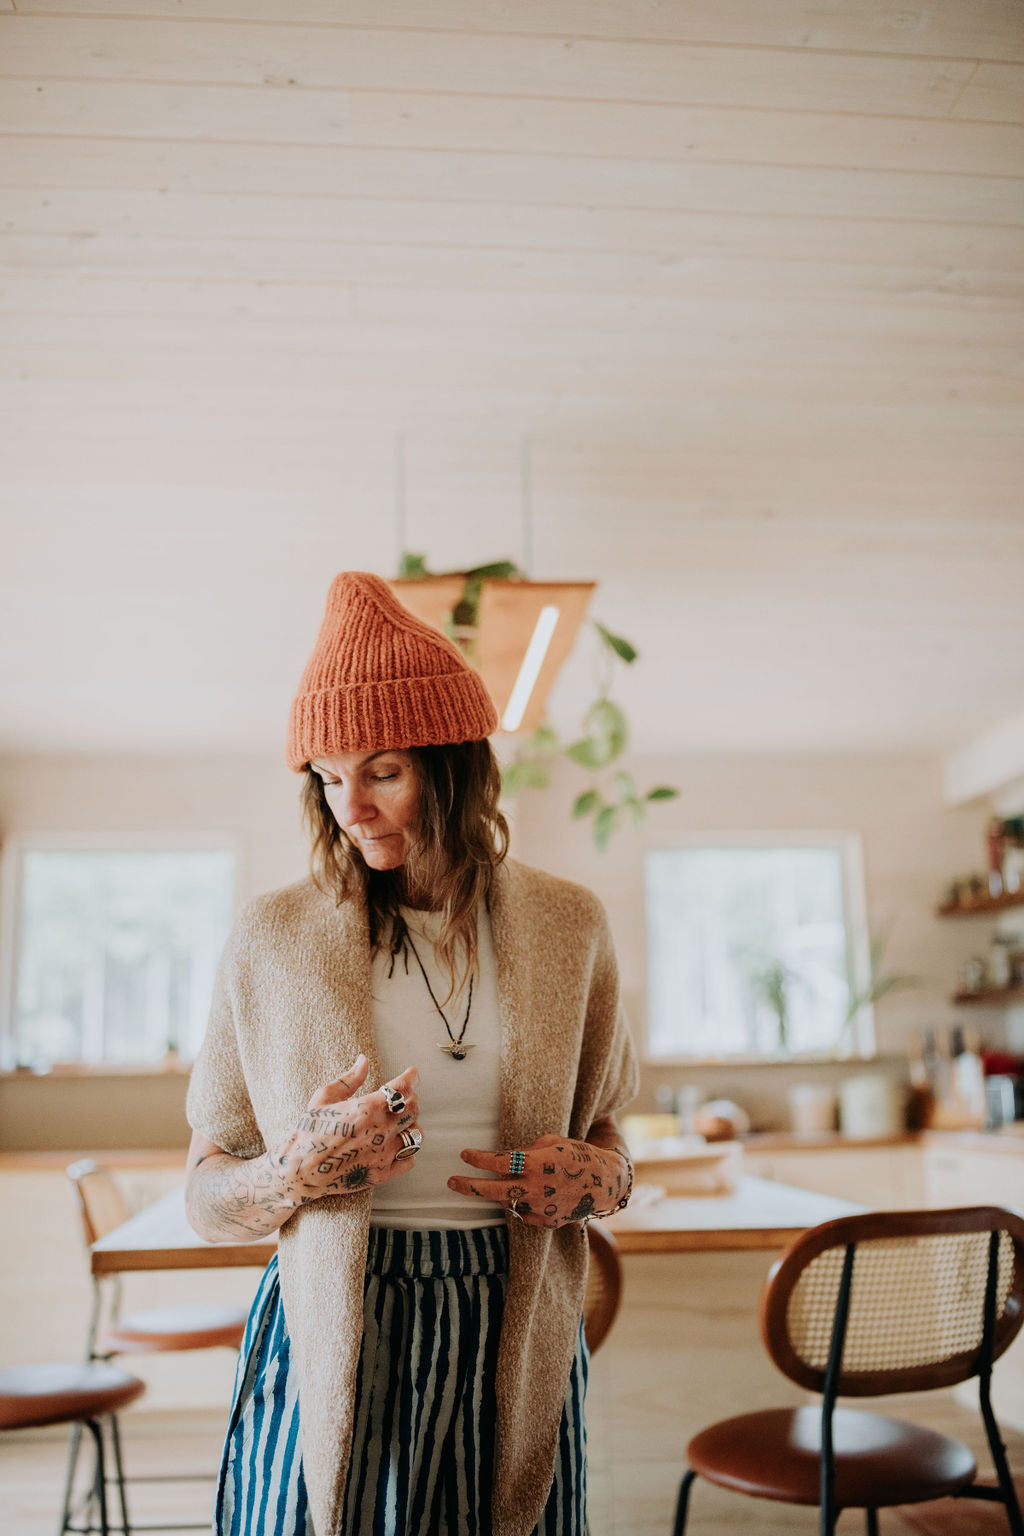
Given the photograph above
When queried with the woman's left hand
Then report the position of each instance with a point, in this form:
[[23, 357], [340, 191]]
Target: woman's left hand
[[562, 1180]]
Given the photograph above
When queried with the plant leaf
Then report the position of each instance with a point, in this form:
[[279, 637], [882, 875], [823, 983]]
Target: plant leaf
[[604, 825], [588, 753], [608, 724], [544, 742], [626, 786], [412, 565], [662, 792], [636, 808], [498, 570], [617, 643], [585, 803], [523, 774]]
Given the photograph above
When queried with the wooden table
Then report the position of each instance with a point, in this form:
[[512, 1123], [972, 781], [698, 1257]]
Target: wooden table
[[758, 1215]]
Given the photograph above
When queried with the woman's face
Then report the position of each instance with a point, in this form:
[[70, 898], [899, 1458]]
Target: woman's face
[[375, 798]]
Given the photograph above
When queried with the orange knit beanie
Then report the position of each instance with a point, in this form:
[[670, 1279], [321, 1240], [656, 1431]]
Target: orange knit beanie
[[379, 677]]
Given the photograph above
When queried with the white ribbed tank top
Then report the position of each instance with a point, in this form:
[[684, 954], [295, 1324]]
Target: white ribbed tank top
[[459, 1100]]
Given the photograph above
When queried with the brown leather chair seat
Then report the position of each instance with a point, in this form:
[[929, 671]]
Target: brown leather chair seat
[[776, 1454], [174, 1328], [33, 1395]]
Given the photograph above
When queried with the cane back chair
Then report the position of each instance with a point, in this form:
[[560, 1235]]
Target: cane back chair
[[887, 1301], [102, 1207], [604, 1286]]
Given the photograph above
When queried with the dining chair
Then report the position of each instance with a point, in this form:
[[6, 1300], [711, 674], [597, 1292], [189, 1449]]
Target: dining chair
[[102, 1207], [80, 1394], [604, 1286], [863, 1306]]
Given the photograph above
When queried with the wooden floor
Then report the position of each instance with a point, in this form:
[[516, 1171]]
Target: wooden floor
[[671, 1365]]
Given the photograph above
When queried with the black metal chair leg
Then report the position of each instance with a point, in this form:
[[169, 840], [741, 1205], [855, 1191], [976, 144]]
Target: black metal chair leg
[[115, 1435], [829, 1519], [96, 1430], [74, 1445], [871, 1515], [683, 1503]]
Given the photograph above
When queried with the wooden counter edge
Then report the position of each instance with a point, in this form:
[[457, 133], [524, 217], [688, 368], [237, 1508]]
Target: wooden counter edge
[[209, 1256], [724, 1240]]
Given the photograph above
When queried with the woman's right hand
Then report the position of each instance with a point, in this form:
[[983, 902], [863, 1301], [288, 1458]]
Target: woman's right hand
[[346, 1141]]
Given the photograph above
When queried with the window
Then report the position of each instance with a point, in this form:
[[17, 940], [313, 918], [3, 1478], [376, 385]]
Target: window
[[749, 947], [115, 951]]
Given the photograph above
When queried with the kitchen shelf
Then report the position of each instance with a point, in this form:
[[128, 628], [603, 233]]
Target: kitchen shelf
[[984, 904], [990, 997]]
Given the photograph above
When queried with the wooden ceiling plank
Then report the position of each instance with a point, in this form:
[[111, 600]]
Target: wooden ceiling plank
[[987, 29], [538, 180], [593, 378], [551, 271], [60, 305], [361, 221], [277, 115], [351, 58], [832, 337], [994, 94]]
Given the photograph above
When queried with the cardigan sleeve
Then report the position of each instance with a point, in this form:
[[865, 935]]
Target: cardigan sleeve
[[218, 1105], [619, 1078]]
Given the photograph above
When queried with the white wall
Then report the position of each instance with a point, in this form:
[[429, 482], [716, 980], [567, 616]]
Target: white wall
[[252, 801], [912, 846]]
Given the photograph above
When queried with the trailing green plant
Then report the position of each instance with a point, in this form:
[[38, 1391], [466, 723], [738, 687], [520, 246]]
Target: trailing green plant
[[771, 983], [878, 985], [612, 799]]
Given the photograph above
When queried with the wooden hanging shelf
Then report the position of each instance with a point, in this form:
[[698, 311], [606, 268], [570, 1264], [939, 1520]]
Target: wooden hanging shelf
[[991, 997], [983, 904], [508, 616]]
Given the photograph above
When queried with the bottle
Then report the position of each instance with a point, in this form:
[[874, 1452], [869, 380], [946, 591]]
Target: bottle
[[968, 1077], [995, 841]]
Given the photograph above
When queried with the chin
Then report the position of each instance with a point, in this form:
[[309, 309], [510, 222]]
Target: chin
[[383, 858]]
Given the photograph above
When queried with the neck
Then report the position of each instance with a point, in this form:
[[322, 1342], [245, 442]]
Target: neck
[[419, 899]]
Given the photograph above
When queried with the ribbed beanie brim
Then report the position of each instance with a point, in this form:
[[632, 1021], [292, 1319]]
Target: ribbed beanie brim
[[380, 678]]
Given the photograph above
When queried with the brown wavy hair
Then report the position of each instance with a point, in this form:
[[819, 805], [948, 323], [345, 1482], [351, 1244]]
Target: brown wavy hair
[[461, 840]]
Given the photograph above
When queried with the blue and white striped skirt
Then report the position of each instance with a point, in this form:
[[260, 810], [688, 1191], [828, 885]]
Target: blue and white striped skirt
[[423, 1443]]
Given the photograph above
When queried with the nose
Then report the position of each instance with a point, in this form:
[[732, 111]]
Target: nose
[[351, 806]]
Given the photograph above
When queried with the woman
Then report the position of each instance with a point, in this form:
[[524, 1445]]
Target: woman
[[425, 1312]]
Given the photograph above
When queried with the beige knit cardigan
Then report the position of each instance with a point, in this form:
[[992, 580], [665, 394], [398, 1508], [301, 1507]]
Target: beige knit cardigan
[[291, 1009]]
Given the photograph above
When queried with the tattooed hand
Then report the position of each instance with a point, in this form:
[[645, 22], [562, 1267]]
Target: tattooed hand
[[562, 1180], [343, 1142]]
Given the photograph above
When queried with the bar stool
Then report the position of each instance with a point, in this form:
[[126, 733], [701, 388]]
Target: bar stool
[[88, 1393], [160, 1330]]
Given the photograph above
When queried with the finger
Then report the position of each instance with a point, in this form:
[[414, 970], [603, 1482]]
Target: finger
[[406, 1082], [485, 1189], [410, 1107], [493, 1162], [343, 1087]]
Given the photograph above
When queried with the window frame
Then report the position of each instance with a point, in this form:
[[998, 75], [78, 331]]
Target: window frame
[[858, 941], [12, 866]]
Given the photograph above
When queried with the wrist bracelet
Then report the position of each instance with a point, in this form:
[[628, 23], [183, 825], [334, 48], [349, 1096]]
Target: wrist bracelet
[[621, 1206]]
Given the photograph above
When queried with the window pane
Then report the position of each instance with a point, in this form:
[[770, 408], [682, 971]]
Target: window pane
[[736, 935], [117, 953]]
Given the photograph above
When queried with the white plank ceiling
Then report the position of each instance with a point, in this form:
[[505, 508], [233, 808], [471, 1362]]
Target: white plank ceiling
[[716, 302]]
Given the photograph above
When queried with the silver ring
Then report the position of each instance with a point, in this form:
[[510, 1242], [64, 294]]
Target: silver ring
[[394, 1100], [411, 1143], [513, 1211]]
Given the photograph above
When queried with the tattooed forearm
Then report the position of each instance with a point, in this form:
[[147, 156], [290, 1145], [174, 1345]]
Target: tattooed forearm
[[234, 1200]]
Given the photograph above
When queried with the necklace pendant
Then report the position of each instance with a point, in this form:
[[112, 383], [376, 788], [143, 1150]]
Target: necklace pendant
[[457, 1051]]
